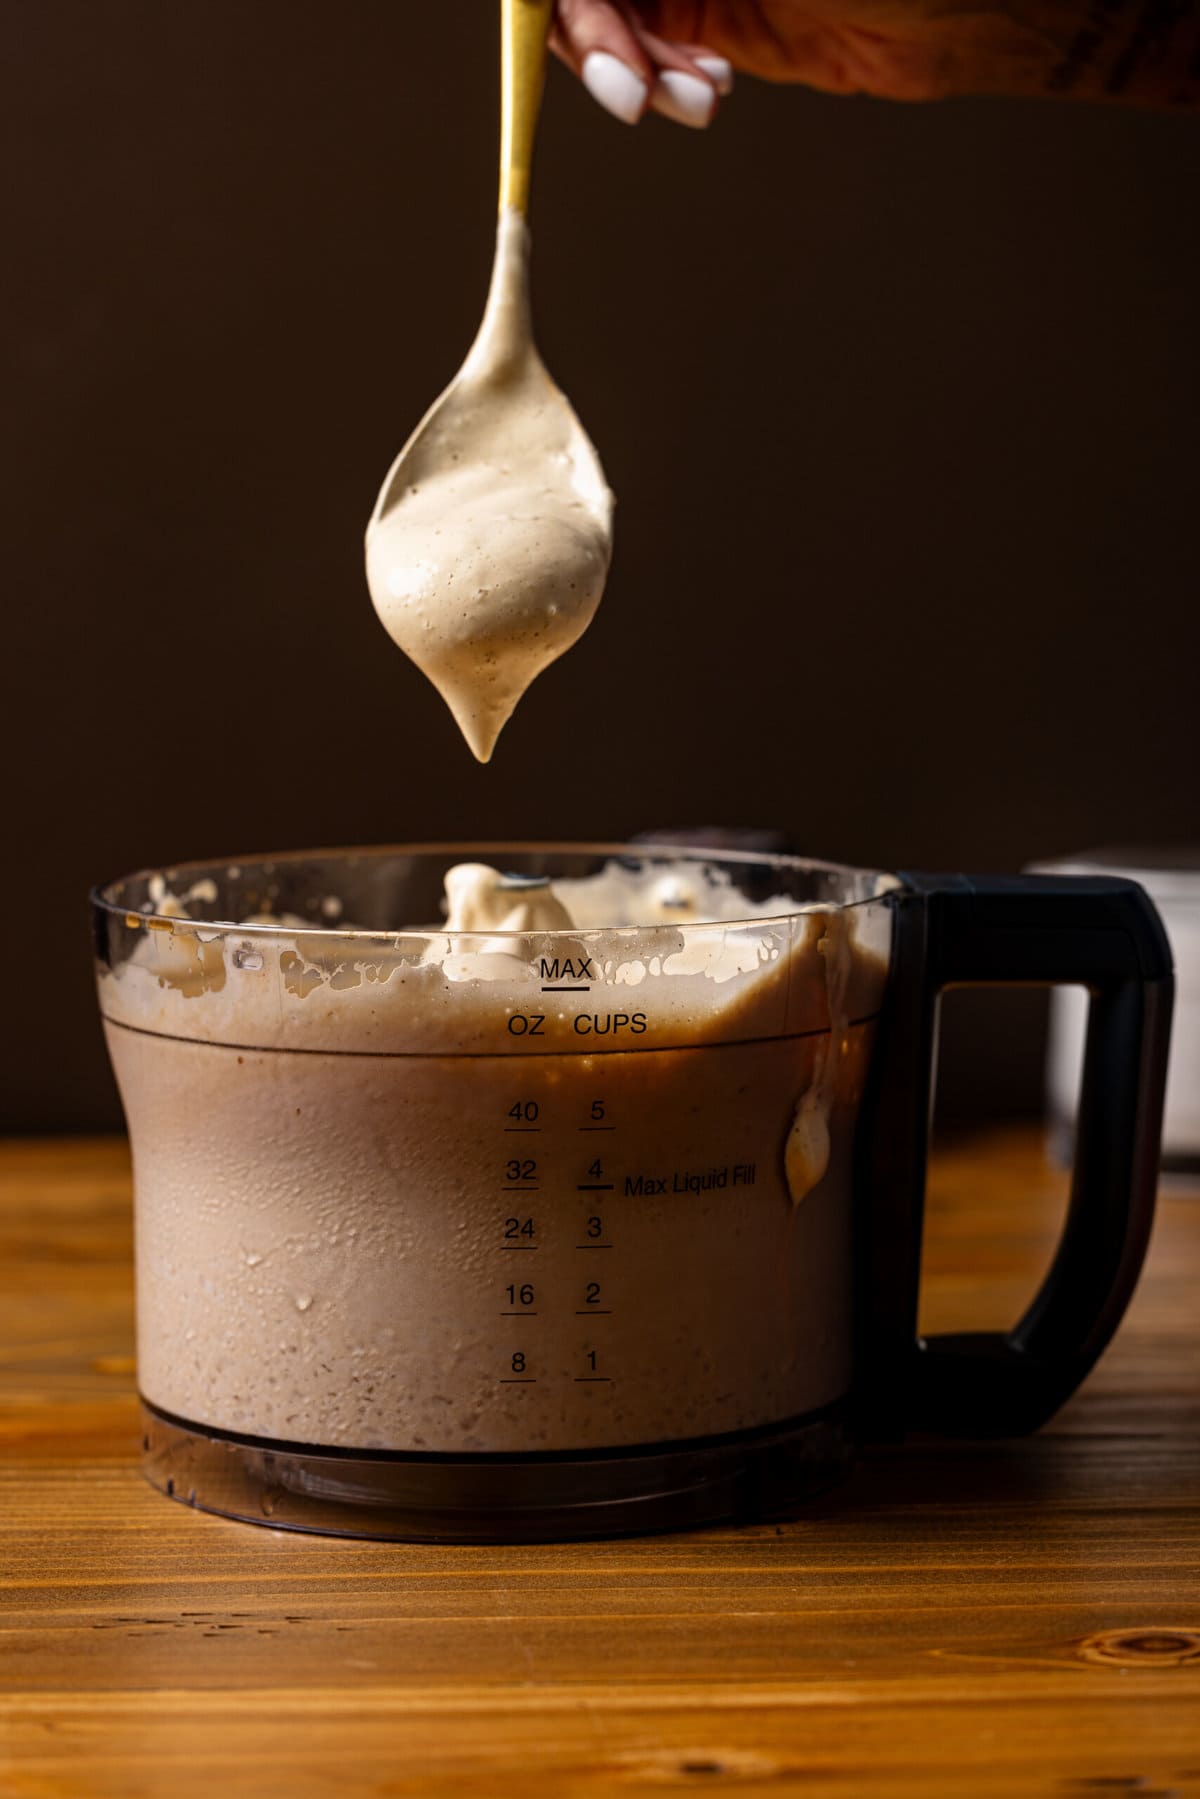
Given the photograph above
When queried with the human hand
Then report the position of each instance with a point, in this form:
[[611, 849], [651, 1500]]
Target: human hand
[[677, 56]]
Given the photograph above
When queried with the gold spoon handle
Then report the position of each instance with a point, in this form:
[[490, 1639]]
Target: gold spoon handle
[[524, 25]]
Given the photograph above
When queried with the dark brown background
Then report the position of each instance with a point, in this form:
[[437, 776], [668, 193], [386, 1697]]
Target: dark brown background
[[898, 404]]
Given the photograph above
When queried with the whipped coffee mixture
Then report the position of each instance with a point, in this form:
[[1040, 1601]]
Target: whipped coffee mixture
[[490, 542], [500, 1188], [479, 898]]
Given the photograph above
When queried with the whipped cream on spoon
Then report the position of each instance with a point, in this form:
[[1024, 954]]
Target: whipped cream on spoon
[[490, 541]]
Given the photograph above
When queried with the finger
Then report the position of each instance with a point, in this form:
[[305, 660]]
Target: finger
[[596, 40], [626, 67], [719, 69], [683, 90], [687, 99]]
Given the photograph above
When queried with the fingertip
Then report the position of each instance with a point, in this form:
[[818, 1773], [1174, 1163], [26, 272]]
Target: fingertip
[[685, 99], [614, 86], [718, 69]]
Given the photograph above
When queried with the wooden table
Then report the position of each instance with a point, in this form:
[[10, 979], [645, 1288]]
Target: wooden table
[[961, 1619]]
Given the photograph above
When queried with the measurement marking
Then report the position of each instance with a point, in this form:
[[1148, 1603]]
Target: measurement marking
[[525, 1314], [521, 1187], [490, 1055], [596, 1187], [521, 1130], [593, 1246], [518, 1246], [592, 1312], [566, 990], [518, 1380], [596, 1127], [582, 1380]]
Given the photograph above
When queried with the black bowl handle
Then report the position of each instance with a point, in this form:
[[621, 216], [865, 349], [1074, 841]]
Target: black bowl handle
[[951, 930]]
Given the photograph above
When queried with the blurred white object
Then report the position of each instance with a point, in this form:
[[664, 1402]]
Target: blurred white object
[[1172, 879]]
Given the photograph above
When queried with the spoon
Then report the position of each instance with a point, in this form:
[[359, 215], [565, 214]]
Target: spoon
[[492, 534]]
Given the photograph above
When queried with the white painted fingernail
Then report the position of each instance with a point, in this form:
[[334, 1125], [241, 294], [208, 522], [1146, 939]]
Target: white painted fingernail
[[684, 98], [614, 84], [720, 71]]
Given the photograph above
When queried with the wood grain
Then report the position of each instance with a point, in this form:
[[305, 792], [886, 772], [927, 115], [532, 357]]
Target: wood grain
[[960, 1619]]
